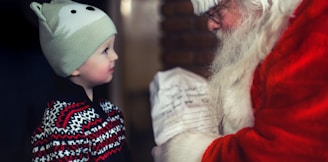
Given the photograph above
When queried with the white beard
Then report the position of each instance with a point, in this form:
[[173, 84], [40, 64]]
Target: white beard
[[241, 52]]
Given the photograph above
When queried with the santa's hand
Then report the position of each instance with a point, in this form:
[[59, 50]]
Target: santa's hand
[[186, 146]]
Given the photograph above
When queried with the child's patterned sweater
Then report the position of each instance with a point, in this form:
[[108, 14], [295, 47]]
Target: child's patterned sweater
[[74, 128]]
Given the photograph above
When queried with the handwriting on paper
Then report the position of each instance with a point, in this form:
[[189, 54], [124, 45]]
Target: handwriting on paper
[[180, 105]]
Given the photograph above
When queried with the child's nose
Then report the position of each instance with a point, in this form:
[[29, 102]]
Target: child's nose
[[113, 56]]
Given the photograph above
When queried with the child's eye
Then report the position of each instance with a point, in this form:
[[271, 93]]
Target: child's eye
[[105, 51]]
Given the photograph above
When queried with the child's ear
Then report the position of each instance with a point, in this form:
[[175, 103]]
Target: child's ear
[[75, 73], [37, 8]]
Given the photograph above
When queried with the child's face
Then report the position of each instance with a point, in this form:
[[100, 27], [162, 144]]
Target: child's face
[[99, 67]]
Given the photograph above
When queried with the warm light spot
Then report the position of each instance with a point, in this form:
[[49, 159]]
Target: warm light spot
[[126, 7]]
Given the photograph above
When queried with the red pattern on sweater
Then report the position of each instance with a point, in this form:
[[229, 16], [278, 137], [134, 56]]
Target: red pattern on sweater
[[74, 131]]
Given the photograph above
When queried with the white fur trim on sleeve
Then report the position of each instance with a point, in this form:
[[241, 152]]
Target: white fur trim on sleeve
[[185, 147]]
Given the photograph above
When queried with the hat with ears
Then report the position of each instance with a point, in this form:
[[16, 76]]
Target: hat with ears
[[201, 6], [70, 33]]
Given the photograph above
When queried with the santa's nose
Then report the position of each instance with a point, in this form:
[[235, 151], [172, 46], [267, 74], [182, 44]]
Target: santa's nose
[[212, 25]]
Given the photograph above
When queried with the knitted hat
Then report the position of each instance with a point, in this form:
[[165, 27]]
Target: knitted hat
[[201, 6], [70, 32]]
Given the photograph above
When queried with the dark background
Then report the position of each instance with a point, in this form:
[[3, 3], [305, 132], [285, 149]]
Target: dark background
[[25, 77]]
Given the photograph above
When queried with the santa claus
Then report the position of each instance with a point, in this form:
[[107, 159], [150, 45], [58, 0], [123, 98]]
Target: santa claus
[[269, 86]]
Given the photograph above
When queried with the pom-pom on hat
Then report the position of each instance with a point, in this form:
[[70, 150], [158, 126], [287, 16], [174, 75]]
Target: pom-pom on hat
[[201, 6], [70, 32]]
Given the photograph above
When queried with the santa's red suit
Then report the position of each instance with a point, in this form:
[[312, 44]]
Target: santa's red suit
[[289, 95]]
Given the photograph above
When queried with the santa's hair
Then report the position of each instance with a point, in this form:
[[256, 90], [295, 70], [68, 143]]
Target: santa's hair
[[201, 6]]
